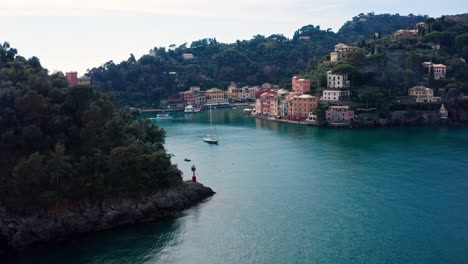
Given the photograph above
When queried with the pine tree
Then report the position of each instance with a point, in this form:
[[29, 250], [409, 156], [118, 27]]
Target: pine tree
[[430, 77]]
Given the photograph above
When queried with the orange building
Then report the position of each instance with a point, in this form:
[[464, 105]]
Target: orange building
[[301, 105]]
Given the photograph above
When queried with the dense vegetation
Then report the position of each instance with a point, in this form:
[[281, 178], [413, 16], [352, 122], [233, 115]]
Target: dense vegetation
[[363, 26], [274, 59], [62, 144], [384, 68]]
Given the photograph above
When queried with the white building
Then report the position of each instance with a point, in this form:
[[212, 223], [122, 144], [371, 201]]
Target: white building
[[335, 95], [337, 80]]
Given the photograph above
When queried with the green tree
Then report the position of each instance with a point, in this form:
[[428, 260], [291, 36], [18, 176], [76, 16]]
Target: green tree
[[430, 77], [343, 69]]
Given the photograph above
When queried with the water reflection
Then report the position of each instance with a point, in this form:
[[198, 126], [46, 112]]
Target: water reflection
[[136, 244]]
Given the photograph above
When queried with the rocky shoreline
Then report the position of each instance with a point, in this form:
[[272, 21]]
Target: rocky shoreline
[[20, 232]]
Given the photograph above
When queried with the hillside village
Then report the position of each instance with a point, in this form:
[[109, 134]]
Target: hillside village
[[413, 76], [331, 97]]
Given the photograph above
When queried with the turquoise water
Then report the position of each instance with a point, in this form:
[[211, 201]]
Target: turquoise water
[[294, 194]]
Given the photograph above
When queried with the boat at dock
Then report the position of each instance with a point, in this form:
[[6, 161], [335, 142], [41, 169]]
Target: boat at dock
[[163, 117], [189, 109]]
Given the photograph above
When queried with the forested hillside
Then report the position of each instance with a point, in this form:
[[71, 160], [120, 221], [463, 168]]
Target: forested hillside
[[388, 66], [61, 144], [272, 59]]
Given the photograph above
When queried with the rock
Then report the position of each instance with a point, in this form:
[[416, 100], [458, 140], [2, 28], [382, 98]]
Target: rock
[[20, 232]]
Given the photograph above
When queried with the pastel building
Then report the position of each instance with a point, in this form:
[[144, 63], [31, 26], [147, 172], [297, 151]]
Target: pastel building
[[200, 98], [439, 69], [339, 113], [215, 96], [341, 51], [336, 95], [240, 94], [423, 94], [279, 103], [72, 78], [188, 97], [338, 81], [262, 104], [84, 81], [301, 105], [300, 85], [404, 33]]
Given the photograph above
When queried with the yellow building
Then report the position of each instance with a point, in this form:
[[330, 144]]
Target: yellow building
[[215, 96], [423, 94], [84, 81], [240, 94]]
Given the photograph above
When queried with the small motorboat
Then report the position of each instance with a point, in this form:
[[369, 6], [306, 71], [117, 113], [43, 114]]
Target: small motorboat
[[187, 159], [189, 109], [163, 117]]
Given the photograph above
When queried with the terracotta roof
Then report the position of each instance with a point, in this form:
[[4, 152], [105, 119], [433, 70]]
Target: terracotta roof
[[420, 88]]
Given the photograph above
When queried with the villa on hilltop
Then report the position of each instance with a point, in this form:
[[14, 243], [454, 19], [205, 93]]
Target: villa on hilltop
[[73, 79], [341, 51]]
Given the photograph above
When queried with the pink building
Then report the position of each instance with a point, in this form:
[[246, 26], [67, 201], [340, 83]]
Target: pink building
[[300, 85], [339, 113], [404, 33], [264, 104], [188, 97], [72, 78]]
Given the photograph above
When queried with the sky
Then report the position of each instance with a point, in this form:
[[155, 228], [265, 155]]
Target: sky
[[81, 34]]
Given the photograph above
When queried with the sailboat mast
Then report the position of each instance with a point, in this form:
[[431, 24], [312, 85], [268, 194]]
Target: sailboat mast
[[211, 121]]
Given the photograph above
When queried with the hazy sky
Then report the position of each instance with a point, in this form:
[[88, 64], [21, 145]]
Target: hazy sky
[[80, 34]]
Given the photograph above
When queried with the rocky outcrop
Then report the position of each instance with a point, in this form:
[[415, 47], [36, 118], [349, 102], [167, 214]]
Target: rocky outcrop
[[19, 232]]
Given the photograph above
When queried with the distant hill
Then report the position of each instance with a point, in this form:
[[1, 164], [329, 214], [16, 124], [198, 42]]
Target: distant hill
[[274, 59], [364, 26]]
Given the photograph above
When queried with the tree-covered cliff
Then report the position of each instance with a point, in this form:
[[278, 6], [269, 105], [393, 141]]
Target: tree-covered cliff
[[61, 144]]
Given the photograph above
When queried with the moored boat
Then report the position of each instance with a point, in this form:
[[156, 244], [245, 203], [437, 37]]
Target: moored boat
[[210, 139], [163, 117], [189, 109]]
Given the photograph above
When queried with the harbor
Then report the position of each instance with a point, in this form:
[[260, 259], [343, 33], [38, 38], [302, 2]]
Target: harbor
[[281, 188]]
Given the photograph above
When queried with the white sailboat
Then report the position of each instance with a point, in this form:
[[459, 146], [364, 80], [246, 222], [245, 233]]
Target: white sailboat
[[211, 139]]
